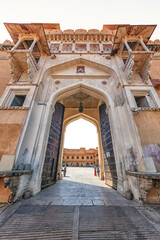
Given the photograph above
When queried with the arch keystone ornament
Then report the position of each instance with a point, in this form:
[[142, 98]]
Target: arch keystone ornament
[[100, 76]]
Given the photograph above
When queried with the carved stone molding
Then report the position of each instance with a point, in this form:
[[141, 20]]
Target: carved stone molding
[[146, 69], [22, 61], [32, 69], [15, 69]]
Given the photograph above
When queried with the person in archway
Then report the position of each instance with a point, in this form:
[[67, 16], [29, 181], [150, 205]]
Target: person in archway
[[95, 173], [98, 170], [64, 171]]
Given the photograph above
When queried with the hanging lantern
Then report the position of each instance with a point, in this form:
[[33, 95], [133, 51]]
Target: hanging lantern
[[81, 107]]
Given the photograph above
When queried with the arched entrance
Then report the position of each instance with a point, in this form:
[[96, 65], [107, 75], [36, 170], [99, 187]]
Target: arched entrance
[[94, 110], [100, 87]]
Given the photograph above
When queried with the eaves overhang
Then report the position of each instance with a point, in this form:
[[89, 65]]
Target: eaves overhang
[[145, 31], [17, 29]]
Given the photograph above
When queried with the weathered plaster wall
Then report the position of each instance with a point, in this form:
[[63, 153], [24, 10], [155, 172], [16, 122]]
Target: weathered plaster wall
[[158, 91], [5, 75], [11, 122], [155, 72], [148, 124], [155, 69]]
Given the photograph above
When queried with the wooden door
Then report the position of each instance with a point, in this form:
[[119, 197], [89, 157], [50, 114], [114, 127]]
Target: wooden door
[[50, 167]]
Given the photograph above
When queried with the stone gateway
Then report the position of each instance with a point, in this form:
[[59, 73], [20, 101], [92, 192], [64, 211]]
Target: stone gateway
[[50, 77]]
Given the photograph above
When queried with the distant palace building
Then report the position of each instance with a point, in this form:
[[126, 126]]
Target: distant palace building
[[80, 157]]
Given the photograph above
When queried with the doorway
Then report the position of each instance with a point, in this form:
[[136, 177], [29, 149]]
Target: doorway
[[80, 104]]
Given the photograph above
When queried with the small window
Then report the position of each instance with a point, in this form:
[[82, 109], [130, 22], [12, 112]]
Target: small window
[[67, 157], [18, 100], [141, 102], [87, 157], [72, 157], [82, 157], [91, 157], [77, 157]]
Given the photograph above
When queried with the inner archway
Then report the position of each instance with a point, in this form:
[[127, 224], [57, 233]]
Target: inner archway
[[80, 144]]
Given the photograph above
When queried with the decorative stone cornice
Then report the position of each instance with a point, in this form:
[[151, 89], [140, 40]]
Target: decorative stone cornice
[[13, 108], [4, 47], [144, 175], [146, 109], [80, 35], [154, 45]]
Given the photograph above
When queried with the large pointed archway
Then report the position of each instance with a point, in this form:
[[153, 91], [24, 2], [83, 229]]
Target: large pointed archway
[[71, 99], [99, 85]]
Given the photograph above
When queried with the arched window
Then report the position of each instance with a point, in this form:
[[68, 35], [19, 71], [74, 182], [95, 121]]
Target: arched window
[[72, 157], [77, 157], [82, 157], [87, 157], [67, 157], [91, 157]]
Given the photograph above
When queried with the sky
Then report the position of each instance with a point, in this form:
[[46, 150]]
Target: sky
[[81, 133], [75, 14]]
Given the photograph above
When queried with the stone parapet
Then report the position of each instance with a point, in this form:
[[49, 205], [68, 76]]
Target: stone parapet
[[9, 182], [149, 186]]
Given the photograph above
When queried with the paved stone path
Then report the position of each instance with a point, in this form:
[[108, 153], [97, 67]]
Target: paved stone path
[[80, 207]]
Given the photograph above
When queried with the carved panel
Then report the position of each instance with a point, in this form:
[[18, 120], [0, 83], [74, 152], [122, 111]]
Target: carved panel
[[80, 69], [81, 47], [107, 47], [15, 69], [54, 48], [94, 47], [67, 47]]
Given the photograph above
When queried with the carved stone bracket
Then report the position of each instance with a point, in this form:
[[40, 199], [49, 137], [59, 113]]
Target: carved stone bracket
[[32, 66], [22, 61], [146, 69], [129, 67], [15, 69]]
